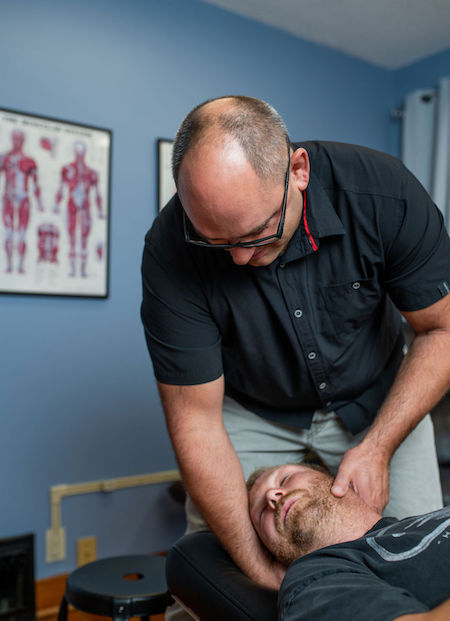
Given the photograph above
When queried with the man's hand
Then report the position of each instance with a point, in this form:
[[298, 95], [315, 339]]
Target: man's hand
[[271, 573], [213, 475], [278, 572], [367, 472]]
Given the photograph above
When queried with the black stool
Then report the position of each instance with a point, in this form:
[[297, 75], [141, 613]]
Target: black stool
[[119, 587]]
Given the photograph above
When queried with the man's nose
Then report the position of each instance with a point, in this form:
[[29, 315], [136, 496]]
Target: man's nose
[[241, 256], [273, 496]]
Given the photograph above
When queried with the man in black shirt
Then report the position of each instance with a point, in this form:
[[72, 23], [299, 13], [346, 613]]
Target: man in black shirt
[[271, 287], [345, 561]]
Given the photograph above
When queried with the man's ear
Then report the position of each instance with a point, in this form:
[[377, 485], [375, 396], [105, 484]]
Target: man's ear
[[300, 168]]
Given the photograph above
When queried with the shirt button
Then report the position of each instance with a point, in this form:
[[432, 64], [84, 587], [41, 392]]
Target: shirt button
[[356, 285], [322, 385], [298, 313], [312, 355]]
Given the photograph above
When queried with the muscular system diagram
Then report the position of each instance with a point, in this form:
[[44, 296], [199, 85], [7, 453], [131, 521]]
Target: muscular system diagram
[[19, 169], [80, 180]]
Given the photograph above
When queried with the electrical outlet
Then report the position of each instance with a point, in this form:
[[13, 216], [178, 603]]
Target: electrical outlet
[[86, 550], [55, 545]]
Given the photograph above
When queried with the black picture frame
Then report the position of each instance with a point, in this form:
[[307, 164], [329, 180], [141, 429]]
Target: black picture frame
[[166, 184]]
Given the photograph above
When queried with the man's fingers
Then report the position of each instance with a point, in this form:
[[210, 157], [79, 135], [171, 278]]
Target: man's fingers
[[376, 502], [340, 486]]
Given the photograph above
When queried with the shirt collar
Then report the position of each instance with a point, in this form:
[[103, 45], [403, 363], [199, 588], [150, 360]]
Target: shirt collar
[[319, 220], [382, 523], [322, 217]]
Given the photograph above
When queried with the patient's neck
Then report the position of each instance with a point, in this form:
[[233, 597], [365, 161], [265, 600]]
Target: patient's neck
[[350, 518]]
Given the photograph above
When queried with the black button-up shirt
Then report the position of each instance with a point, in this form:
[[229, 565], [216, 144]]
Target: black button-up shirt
[[316, 329]]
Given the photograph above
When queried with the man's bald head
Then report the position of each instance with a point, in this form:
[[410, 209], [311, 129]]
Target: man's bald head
[[254, 124]]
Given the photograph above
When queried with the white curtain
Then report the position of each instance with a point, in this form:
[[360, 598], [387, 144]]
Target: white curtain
[[426, 142]]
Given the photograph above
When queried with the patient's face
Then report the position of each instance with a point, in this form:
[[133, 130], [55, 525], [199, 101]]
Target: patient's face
[[290, 506]]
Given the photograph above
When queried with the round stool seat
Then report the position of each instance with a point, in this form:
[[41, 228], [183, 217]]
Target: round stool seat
[[120, 586]]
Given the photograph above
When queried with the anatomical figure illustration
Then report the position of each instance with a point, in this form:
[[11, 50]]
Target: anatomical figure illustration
[[19, 170], [80, 180]]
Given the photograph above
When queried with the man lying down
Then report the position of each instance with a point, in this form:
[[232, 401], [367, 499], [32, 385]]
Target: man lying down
[[345, 561]]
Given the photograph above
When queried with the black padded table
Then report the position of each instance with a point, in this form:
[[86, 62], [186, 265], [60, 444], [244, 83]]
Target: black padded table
[[202, 576]]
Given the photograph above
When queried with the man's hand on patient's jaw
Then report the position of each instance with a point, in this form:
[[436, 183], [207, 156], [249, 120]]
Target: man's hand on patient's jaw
[[279, 571], [273, 571], [271, 575], [367, 473]]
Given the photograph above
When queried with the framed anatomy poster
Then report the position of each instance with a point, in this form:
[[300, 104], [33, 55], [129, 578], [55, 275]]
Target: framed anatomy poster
[[54, 190]]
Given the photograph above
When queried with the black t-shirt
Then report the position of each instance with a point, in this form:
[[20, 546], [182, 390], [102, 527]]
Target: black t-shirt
[[397, 568], [316, 329]]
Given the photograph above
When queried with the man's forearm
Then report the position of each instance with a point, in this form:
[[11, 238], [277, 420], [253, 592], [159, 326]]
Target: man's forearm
[[213, 476], [214, 480], [423, 378]]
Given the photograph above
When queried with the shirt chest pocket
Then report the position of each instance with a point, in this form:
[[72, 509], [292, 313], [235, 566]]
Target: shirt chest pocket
[[351, 304]]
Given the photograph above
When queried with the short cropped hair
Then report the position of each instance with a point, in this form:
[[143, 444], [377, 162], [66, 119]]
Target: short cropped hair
[[253, 123]]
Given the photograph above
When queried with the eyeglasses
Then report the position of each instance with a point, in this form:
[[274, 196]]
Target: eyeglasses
[[192, 237]]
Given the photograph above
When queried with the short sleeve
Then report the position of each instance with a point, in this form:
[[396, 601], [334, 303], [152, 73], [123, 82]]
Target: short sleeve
[[335, 595], [417, 248], [182, 337]]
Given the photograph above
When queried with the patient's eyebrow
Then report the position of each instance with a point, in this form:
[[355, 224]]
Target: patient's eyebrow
[[282, 473]]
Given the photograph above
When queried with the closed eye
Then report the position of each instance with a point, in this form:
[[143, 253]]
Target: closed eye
[[284, 480]]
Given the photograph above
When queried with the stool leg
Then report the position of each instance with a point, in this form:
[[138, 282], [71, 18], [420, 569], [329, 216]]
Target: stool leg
[[62, 614]]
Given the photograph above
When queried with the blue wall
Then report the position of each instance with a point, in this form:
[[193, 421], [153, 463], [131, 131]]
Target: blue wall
[[78, 399], [423, 74]]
